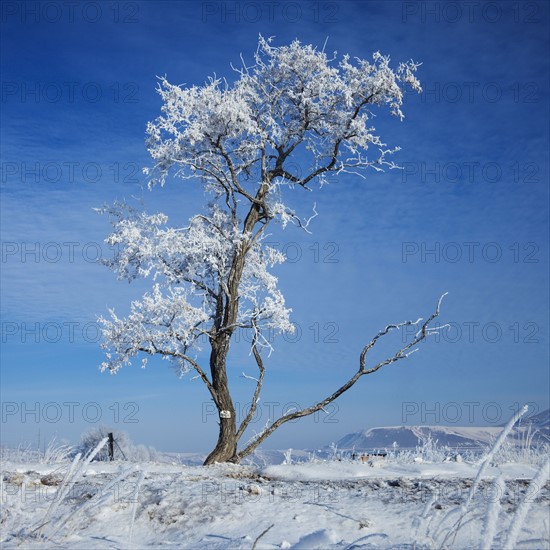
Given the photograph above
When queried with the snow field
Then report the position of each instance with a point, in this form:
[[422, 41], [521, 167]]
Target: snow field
[[313, 505]]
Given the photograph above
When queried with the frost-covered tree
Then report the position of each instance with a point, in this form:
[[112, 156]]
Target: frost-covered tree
[[292, 106]]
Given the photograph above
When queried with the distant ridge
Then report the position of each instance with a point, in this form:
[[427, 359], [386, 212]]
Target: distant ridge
[[536, 428]]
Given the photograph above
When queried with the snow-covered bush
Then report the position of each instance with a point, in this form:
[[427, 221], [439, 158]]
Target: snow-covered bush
[[54, 452], [124, 449], [57, 452]]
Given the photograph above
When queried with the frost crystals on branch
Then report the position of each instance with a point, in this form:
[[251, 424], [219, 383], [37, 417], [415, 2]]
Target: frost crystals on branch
[[191, 268]]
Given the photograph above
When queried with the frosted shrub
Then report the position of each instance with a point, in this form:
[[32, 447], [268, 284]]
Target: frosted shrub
[[124, 449]]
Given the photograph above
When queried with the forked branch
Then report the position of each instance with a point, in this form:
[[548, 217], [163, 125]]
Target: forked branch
[[424, 331]]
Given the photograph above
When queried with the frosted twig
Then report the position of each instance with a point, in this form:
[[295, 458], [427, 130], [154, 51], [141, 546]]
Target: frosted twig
[[75, 472], [491, 517], [134, 506], [243, 375], [519, 517], [484, 464]]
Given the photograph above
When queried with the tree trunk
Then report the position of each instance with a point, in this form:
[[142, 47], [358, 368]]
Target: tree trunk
[[226, 447]]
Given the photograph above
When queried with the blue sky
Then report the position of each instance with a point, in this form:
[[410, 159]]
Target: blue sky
[[468, 214]]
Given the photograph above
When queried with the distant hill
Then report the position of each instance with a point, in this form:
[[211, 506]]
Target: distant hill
[[536, 428], [541, 420]]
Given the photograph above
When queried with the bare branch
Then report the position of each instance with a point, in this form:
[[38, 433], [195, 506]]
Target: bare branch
[[259, 383], [190, 360], [401, 354]]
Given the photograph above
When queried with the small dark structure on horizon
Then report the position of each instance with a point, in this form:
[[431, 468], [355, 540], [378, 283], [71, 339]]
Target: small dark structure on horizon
[[368, 456]]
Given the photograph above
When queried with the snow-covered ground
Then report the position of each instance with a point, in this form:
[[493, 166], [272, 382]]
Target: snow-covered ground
[[316, 504]]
